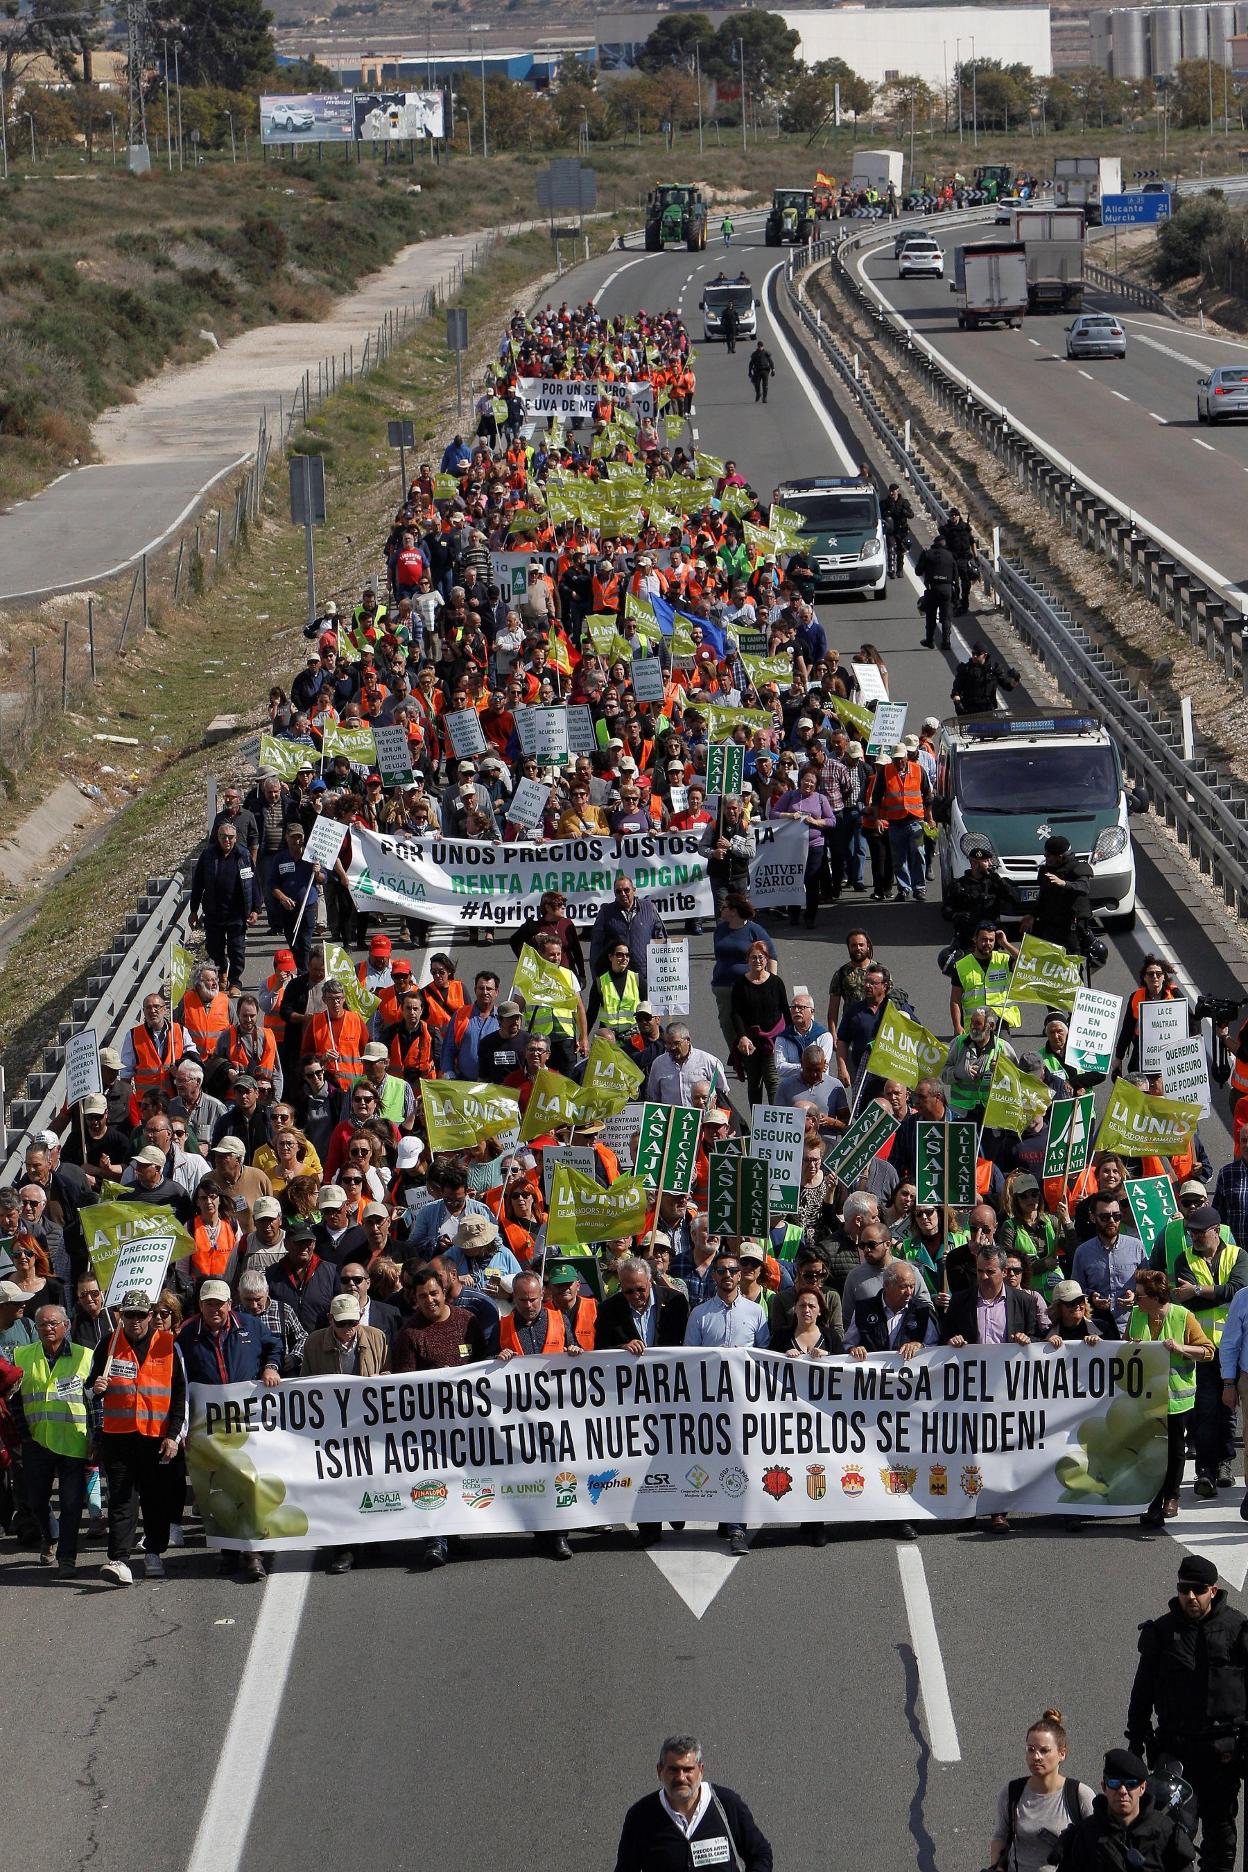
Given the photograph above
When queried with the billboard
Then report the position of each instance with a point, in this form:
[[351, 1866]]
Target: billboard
[[396, 116], [307, 117]]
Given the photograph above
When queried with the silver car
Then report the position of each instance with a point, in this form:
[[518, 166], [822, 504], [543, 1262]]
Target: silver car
[[1096, 334], [1223, 393]]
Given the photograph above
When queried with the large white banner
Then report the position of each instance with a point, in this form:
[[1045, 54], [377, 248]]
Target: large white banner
[[574, 397], [706, 1436], [470, 885]]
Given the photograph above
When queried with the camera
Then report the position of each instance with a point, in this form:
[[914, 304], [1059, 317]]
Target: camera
[[1219, 1009]]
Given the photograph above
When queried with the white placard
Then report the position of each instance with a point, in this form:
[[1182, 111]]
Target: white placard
[[581, 736], [82, 1066], [1162, 1023], [678, 797], [777, 1133], [394, 754], [667, 976], [325, 842], [887, 727], [551, 735], [870, 680], [1185, 1072], [416, 1198], [1092, 1031], [141, 1267], [528, 803], [467, 735], [579, 1157], [618, 1133], [648, 684], [526, 728]]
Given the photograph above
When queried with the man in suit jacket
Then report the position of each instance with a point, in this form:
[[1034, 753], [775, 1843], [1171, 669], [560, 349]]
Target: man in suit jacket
[[642, 1313], [894, 1320], [990, 1313], [353, 1279]]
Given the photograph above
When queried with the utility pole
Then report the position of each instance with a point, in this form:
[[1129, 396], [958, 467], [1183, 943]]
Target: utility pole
[[177, 87], [697, 66], [485, 129], [975, 94], [4, 136], [168, 113], [741, 70]]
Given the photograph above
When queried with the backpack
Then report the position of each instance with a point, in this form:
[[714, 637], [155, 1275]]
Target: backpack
[[1014, 1793]]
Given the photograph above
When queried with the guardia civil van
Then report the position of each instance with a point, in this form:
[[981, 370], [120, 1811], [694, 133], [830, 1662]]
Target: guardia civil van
[[1013, 781]]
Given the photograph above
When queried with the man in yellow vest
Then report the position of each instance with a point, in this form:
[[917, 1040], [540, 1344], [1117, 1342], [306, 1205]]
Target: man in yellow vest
[[49, 1409], [982, 978], [1207, 1276]]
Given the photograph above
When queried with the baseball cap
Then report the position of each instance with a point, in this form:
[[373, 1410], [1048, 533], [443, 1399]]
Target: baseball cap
[[284, 959], [409, 1153], [898, 751], [508, 1010], [301, 1228], [150, 1155], [214, 1290], [643, 1007], [1025, 1185], [136, 1301], [562, 1277], [1192, 1187], [95, 1105], [110, 1057], [265, 1208], [380, 943], [13, 1295], [344, 1307], [244, 1083], [374, 1051], [751, 1251], [374, 1209], [331, 1196], [1068, 1290], [400, 967], [476, 1231], [1206, 1217], [228, 1147]]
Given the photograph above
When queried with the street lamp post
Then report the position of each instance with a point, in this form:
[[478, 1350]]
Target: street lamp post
[[177, 86], [974, 95], [168, 112], [741, 71], [958, 69], [697, 66]]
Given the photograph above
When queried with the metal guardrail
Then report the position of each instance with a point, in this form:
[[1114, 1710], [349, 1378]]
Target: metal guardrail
[[1212, 615], [132, 965], [1106, 280], [1207, 813]]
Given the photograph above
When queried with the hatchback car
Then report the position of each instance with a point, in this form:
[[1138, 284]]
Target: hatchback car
[[1096, 334], [1223, 393], [921, 257]]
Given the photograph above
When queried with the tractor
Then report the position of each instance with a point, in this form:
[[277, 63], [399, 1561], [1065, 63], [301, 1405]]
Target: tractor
[[792, 217], [675, 211]]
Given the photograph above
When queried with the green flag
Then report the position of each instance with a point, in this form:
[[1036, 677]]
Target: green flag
[[859, 721], [553, 1101], [340, 967], [1080, 1112], [1014, 1097], [583, 1211], [904, 1050], [181, 970], [1152, 1205], [458, 1115], [543, 983], [356, 743], [131, 1245], [283, 758], [610, 1078], [1141, 1125], [1045, 975]]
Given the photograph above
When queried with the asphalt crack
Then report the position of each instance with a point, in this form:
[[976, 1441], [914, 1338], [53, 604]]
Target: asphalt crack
[[88, 1778]]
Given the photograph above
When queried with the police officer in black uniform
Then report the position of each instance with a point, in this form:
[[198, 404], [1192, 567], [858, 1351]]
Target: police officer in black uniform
[[896, 514], [1192, 1682], [961, 543], [981, 895], [1063, 905], [938, 570], [975, 683]]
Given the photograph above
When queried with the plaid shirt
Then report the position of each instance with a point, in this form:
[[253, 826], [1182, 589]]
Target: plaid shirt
[[835, 784], [280, 1318], [1230, 1198]]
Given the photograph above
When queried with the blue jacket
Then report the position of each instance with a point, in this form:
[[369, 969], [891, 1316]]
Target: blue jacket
[[247, 1349]]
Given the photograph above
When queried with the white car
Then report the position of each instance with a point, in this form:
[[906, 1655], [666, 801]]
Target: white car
[[288, 117], [921, 257], [1006, 204]]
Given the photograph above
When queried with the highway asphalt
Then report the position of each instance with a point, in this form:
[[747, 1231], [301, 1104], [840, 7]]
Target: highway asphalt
[[868, 1700], [1127, 424]]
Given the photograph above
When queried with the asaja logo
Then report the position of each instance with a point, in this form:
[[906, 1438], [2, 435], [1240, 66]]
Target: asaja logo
[[777, 1482], [733, 1482], [478, 1491], [377, 1503], [429, 1495], [565, 1489]]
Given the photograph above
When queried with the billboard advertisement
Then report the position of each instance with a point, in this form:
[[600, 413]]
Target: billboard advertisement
[[307, 117], [396, 116]]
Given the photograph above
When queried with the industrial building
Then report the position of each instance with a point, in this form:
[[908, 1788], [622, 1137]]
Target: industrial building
[[883, 43], [1149, 42]]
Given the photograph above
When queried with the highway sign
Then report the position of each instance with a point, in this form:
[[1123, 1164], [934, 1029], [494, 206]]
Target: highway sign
[[1134, 210]]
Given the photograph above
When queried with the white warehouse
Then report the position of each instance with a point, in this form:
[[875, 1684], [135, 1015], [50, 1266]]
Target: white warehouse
[[882, 43]]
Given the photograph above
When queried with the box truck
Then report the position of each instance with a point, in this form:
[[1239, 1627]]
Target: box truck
[[1080, 182], [1054, 240], [990, 281], [876, 169]]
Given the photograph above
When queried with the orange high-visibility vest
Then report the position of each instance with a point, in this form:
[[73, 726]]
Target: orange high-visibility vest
[[154, 1070], [903, 793], [586, 1321], [205, 1021], [509, 1339], [438, 1012], [412, 1054], [341, 1047], [238, 1055], [275, 1020], [208, 1259], [138, 1396]]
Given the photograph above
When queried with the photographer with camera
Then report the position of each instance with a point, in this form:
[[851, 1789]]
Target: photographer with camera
[[976, 682], [1192, 1678]]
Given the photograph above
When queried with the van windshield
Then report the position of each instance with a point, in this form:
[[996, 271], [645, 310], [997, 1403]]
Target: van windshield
[[742, 297], [829, 512], [1046, 780]]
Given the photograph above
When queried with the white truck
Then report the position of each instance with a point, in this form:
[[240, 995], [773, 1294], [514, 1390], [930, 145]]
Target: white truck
[[875, 169], [1081, 181], [1054, 240], [990, 280]]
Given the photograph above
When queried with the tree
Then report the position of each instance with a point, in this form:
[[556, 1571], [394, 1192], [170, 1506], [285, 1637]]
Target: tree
[[64, 31], [54, 116], [811, 101], [908, 100], [306, 74], [517, 117], [1195, 93], [673, 41], [220, 42], [575, 103], [769, 46]]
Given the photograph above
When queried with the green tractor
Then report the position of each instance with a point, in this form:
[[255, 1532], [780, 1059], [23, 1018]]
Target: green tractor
[[792, 217], [675, 212]]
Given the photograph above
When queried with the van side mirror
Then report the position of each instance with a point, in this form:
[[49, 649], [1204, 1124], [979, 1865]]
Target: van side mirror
[[1137, 800]]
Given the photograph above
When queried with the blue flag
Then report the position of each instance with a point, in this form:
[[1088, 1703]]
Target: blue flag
[[665, 616]]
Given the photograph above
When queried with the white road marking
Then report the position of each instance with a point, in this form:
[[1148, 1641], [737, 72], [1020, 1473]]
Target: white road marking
[[1088, 375], [694, 432], [1121, 396], [1204, 445], [694, 1568], [1037, 343], [612, 277], [688, 279], [1214, 1530], [222, 1837], [1163, 420], [1236, 344], [942, 1732], [1199, 365]]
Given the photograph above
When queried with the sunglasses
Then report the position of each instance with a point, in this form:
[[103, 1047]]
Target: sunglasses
[[22, 1254], [1122, 1781], [353, 1179], [163, 1312], [354, 1280], [133, 1313], [1191, 1202]]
